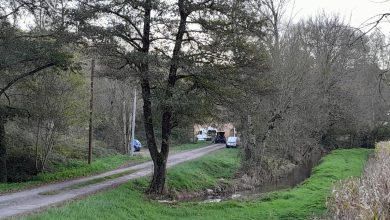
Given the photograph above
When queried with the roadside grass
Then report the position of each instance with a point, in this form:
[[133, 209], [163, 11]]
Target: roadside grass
[[204, 172], [302, 202], [89, 182], [199, 174], [73, 169], [80, 168]]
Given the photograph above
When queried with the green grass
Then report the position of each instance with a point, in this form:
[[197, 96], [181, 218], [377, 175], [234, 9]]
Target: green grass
[[202, 173], [89, 182], [101, 179], [78, 168], [300, 202], [195, 175], [73, 169], [82, 168]]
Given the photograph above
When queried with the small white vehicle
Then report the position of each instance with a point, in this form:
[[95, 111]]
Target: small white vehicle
[[206, 134], [233, 142], [202, 135]]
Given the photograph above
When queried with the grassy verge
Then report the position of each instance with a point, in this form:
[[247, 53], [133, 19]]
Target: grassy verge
[[78, 168], [300, 202], [199, 174], [72, 170], [89, 182]]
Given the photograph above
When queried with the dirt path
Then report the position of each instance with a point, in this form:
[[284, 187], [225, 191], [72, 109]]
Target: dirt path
[[35, 199]]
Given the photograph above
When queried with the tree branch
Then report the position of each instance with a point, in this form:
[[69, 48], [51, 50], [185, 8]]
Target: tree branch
[[15, 80], [126, 18]]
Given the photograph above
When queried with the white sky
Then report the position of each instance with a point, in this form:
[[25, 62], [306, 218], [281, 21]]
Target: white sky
[[354, 12]]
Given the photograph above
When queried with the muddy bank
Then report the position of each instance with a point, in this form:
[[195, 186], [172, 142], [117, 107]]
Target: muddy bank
[[299, 173]]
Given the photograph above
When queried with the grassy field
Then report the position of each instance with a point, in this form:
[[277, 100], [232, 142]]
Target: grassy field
[[301, 202], [78, 168]]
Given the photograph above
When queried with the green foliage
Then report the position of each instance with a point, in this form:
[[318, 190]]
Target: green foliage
[[57, 103], [300, 202], [57, 96], [23, 52], [383, 133]]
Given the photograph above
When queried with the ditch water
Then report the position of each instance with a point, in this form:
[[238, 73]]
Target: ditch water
[[296, 176]]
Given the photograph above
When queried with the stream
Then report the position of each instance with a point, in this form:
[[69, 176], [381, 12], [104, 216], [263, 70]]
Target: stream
[[295, 177]]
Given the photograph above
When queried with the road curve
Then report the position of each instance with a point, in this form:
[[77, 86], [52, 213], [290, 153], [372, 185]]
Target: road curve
[[33, 200]]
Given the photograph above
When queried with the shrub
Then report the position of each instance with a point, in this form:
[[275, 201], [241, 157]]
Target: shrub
[[367, 197], [20, 167]]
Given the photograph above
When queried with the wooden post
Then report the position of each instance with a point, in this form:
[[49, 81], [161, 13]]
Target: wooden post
[[91, 114]]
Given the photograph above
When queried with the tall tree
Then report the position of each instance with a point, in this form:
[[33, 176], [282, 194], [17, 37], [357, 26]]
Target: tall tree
[[169, 47]]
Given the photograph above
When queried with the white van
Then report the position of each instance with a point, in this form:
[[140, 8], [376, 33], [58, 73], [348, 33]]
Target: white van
[[233, 142]]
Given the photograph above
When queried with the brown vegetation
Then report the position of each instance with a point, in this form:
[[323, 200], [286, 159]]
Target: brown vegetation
[[367, 197]]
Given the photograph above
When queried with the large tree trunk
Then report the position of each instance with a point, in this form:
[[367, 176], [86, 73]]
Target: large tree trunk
[[158, 175], [157, 186], [3, 152], [158, 181]]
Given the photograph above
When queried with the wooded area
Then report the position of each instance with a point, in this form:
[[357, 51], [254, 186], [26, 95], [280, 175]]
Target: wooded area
[[294, 91]]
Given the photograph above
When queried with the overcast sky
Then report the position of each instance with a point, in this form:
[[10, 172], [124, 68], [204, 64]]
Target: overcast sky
[[354, 12]]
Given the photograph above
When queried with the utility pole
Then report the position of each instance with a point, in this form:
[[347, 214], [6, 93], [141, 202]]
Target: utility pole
[[133, 122], [130, 121], [124, 123], [91, 114]]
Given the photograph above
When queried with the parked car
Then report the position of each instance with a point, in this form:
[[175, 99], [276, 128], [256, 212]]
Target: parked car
[[137, 145], [233, 142], [220, 138]]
